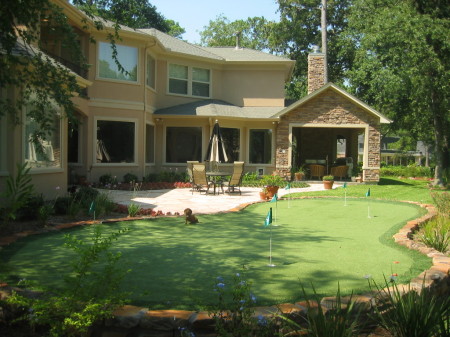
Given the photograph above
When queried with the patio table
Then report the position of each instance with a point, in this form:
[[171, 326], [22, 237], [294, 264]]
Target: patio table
[[214, 175]]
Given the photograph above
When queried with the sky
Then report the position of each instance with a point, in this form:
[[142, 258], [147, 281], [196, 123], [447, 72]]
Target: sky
[[193, 15]]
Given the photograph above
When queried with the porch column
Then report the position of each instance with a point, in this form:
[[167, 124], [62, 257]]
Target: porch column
[[371, 161]]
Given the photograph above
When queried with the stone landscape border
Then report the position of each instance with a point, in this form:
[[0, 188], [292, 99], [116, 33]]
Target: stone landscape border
[[143, 322]]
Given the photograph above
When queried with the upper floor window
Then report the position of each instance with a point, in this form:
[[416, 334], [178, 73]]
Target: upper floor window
[[127, 57], [190, 81], [151, 71]]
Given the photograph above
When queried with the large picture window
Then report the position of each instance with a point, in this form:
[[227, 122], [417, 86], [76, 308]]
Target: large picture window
[[115, 142], [260, 146], [231, 138], [191, 81], [183, 144], [42, 147], [127, 57], [149, 143]]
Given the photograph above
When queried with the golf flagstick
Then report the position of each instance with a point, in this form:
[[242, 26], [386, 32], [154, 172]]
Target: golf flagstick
[[268, 222], [288, 187], [275, 200], [368, 203], [345, 194]]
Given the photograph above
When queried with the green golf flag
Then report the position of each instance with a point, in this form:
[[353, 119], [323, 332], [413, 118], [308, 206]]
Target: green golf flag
[[288, 186], [275, 198], [345, 185], [268, 219], [92, 207], [368, 193]]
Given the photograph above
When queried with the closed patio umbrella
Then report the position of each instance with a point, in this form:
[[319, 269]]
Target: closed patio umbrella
[[216, 147]]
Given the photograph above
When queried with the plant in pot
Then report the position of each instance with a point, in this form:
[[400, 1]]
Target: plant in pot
[[300, 173], [271, 184], [328, 182]]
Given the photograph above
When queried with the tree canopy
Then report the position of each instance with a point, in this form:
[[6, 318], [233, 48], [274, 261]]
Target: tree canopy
[[402, 67]]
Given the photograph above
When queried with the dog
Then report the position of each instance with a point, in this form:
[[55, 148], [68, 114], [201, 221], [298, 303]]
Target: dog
[[189, 217]]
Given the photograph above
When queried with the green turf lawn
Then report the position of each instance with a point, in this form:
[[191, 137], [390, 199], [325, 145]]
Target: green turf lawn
[[313, 240]]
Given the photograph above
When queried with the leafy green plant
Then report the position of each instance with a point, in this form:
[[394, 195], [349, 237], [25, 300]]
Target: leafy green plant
[[44, 213], [133, 209], [341, 320], [130, 177], [412, 313], [436, 234], [18, 191], [107, 179], [272, 180], [328, 178], [442, 201], [86, 195], [234, 311], [91, 291], [103, 204]]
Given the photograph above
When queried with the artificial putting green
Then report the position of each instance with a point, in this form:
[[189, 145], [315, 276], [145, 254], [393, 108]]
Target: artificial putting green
[[174, 265]]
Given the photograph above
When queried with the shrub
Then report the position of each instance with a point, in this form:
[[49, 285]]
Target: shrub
[[29, 211], [18, 192], [86, 195], [406, 171], [129, 177], [107, 179], [272, 180], [412, 314], [436, 234], [61, 205], [103, 204], [151, 178], [133, 209], [442, 201], [91, 290]]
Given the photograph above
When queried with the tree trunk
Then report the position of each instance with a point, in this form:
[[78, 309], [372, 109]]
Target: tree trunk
[[440, 146]]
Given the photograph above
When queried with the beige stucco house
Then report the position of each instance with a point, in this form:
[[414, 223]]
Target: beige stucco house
[[160, 113]]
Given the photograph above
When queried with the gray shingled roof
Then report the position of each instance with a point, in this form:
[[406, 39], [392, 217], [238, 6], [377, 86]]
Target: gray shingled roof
[[175, 45], [218, 108], [244, 54]]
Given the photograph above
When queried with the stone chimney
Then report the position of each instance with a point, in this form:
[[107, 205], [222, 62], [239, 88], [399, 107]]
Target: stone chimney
[[316, 70]]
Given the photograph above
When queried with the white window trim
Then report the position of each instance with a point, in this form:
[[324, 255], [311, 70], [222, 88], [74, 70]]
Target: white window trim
[[94, 134], [272, 154], [154, 145], [164, 160], [97, 73], [156, 71], [62, 132], [189, 80]]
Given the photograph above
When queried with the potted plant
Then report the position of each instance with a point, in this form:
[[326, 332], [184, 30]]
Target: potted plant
[[300, 173], [271, 184], [328, 182], [263, 194]]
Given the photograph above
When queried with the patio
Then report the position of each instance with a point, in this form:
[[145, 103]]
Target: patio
[[176, 200]]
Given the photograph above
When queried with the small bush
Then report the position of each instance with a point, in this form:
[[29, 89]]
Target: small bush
[[406, 171], [107, 179], [436, 234], [412, 314], [442, 201], [86, 195], [29, 210], [61, 205], [129, 177], [151, 178], [133, 210], [103, 204]]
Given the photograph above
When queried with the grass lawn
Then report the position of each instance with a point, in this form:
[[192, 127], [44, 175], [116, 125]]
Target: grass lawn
[[174, 265]]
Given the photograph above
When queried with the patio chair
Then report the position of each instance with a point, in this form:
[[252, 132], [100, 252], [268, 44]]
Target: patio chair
[[199, 179], [339, 171], [189, 171], [316, 171], [235, 182]]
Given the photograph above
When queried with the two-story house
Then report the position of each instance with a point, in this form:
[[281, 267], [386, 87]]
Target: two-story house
[[160, 112]]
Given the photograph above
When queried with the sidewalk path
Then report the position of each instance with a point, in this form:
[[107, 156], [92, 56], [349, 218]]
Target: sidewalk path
[[176, 200]]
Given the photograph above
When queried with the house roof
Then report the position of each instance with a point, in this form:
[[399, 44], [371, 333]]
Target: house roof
[[218, 108], [331, 86]]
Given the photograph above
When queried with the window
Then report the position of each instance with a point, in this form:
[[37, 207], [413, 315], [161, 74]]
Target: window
[[151, 71], [149, 143], [73, 143], [115, 142], [185, 80], [260, 146], [231, 138], [42, 147], [127, 57], [183, 144]]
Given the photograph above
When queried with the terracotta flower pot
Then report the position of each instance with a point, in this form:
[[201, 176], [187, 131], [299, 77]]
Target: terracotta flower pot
[[271, 191], [328, 184], [299, 176], [263, 195]]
